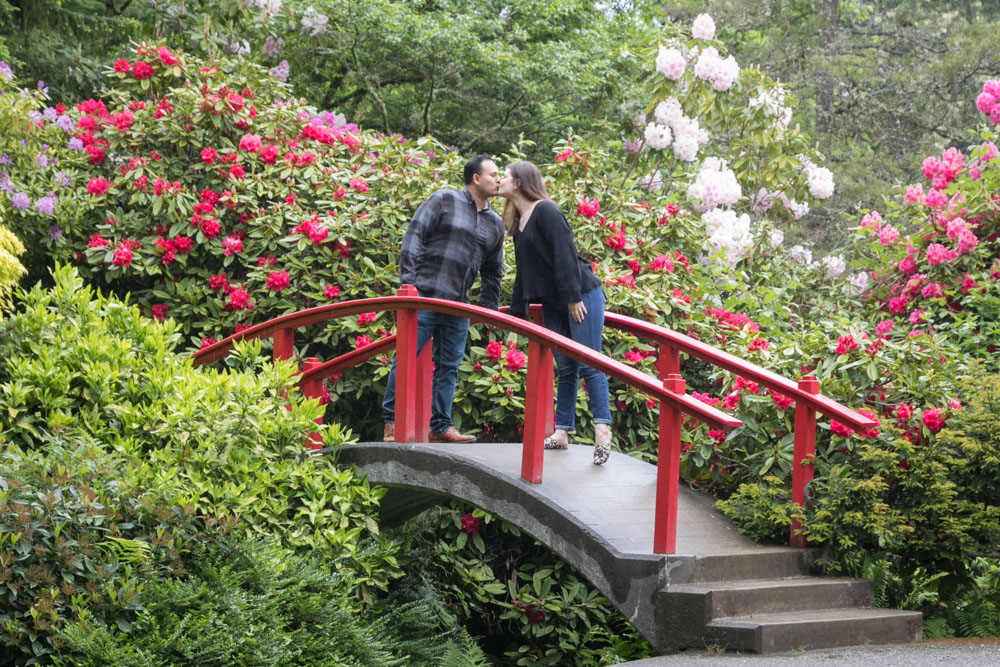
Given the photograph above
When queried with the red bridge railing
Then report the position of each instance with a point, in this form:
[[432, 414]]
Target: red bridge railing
[[413, 385]]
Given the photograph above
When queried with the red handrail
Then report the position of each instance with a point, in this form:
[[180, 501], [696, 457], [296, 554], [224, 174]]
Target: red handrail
[[413, 378]]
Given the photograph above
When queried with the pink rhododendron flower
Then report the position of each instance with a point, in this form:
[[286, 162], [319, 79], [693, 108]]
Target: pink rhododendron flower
[[166, 57], [907, 265], [884, 327], [278, 280], [985, 103], [968, 284], [914, 194], [872, 219], [938, 254], [359, 184], [917, 316], [967, 242], [209, 155], [932, 291], [955, 227], [888, 235], [935, 198], [232, 245], [758, 344], [250, 143]]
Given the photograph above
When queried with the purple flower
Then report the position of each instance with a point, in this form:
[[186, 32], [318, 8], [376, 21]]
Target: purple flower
[[42, 87], [20, 201], [6, 184], [35, 117], [62, 179], [41, 160], [47, 205], [6, 73], [75, 144], [55, 233], [4, 159], [272, 46], [632, 146], [50, 114], [64, 123], [280, 71]]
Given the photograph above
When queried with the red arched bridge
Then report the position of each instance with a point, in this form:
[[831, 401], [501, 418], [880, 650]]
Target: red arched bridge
[[618, 524]]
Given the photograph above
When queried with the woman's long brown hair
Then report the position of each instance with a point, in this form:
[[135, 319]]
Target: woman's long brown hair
[[529, 181]]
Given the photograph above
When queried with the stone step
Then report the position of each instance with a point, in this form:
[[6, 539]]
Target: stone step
[[767, 633], [765, 596], [760, 563]]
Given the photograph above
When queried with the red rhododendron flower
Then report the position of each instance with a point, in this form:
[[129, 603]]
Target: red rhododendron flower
[[871, 431], [933, 420], [718, 436], [704, 398], [269, 154], [494, 350], [211, 228], [96, 154], [232, 245], [758, 344], [122, 66], [662, 263], [845, 344], [166, 57], [742, 384], [588, 208], [205, 342], [359, 184], [250, 143], [159, 311], [361, 341], [278, 280], [331, 292], [98, 187], [239, 299], [515, 359], [470, 524], [781, 401], [840, 429], [903, 412], [142, 70], [209, 155], [218, 282], [97, 241], [366, 318], [904, 464], [123, 256]]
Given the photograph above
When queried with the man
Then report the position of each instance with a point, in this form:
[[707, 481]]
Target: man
[[453, 236]]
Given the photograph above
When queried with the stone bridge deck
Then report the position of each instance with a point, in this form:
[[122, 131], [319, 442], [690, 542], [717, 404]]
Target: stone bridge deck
[[719, 587]]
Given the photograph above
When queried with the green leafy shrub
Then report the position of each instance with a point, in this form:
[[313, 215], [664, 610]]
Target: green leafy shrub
[[528, 605], [80, 536], [11, 269], [255, 602]]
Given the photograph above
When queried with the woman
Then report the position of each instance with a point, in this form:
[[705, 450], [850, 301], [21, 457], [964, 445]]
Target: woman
[[550, 271]]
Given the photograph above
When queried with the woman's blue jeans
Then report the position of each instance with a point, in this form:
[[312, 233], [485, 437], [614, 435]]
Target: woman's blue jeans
[[589, 333], [450, 334]]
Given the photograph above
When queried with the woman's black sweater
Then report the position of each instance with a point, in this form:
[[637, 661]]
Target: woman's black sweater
[[549, 270]]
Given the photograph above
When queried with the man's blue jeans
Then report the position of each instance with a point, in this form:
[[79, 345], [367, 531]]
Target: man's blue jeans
[[589, 333], [450, 334]]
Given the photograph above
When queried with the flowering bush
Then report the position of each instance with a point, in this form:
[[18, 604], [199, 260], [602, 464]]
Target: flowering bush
[[11, 269]]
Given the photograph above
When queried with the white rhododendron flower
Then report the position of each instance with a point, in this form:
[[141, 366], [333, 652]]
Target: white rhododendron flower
[[652, 182], [715, 185], [858, 282], [703, 27], [726, 73], [657, 136], [775, 238], [313, 22], [668, 112], [670, 63], [800, 255], [834, 265], [820, 180]]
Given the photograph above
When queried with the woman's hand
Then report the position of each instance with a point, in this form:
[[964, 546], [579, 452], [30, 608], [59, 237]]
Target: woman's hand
[[577, 311]]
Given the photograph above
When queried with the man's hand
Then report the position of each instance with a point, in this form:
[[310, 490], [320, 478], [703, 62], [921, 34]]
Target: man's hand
[[577, 311]]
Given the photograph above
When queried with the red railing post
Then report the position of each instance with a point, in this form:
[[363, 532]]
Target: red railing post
[[425, 388], [284, 344], [803, 455], [546, 376], [668, 361], [407, 373], [668, 469], [313, 389], [537, 405]]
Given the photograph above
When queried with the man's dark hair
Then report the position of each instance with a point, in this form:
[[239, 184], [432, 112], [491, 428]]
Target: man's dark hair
[[474, 166]]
